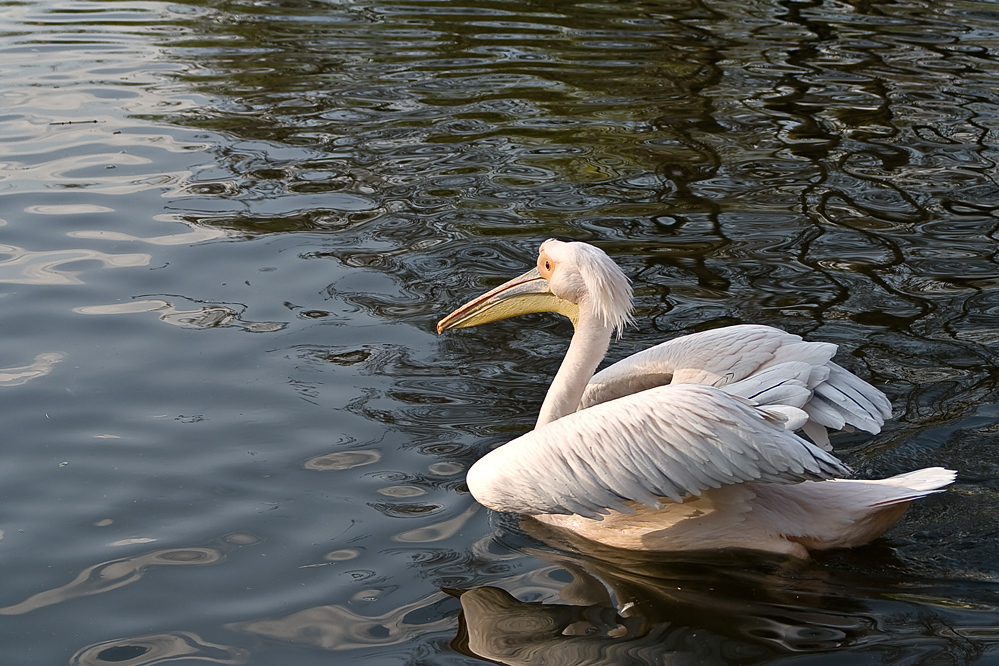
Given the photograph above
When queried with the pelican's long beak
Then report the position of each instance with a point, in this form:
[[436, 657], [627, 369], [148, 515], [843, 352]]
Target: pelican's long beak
[[522, 295]]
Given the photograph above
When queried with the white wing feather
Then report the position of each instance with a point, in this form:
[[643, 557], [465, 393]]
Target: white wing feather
[[669, 441], [757, 362], [717, 357]]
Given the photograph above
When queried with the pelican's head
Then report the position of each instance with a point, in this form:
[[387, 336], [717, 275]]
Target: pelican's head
[[569, 278]]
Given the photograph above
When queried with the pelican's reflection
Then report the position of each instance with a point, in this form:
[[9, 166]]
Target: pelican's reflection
[[625, 607], [498, 627]]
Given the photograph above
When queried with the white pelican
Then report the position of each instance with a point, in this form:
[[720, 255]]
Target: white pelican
[[688, 445]]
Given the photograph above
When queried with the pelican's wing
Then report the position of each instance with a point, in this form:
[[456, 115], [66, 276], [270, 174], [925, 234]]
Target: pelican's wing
[[749, 359], [670, 441], [716, 357]]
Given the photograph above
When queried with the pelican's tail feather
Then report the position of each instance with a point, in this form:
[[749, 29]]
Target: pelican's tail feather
[[913, 485], [843, 513]]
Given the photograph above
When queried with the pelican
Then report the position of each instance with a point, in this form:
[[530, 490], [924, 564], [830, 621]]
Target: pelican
[[690, 444]]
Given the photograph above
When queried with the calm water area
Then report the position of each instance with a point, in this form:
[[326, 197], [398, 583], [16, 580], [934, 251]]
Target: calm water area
[[231, 434]]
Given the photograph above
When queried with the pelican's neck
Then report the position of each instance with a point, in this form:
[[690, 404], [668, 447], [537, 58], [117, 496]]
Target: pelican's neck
[[586, 350]]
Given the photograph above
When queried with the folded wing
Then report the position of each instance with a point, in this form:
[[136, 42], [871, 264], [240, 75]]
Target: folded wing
[[666, 442]]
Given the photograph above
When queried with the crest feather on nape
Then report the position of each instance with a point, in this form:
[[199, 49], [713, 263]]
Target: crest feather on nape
[[608, 289]]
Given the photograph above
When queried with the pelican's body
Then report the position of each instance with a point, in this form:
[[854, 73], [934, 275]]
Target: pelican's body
[[688, 445], [788, 519]]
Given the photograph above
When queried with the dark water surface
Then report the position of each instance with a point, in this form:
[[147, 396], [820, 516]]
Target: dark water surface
[[227, 230]]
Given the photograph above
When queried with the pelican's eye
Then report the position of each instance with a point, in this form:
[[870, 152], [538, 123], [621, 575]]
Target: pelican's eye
[[545, 265]]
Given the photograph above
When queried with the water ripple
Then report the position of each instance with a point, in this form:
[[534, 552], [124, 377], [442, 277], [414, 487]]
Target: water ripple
[[47, 267], [41, 366], [158, 649], [113, 574], [336, 627], [206, 316]]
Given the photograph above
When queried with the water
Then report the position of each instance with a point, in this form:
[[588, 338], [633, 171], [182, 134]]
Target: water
[[228, 229]]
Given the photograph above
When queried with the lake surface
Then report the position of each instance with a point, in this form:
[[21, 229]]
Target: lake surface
[[227, 230]]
